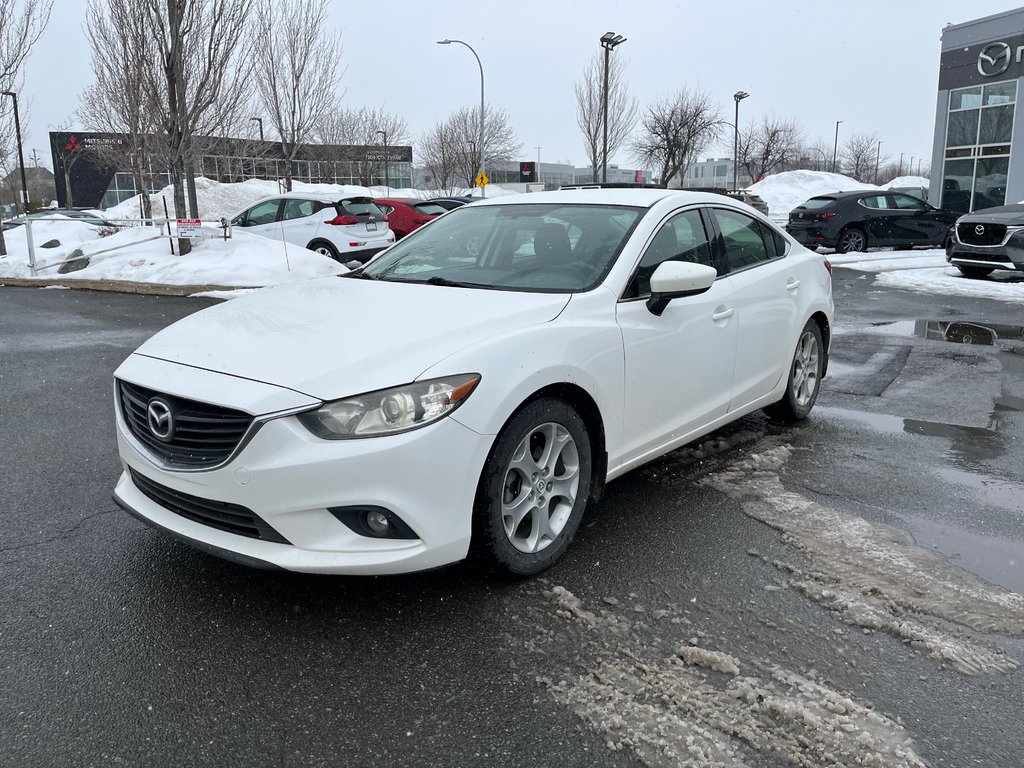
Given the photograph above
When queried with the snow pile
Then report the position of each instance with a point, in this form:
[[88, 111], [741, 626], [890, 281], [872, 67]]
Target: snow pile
[[785, 191], [908, 181], [143, 255], [69, 233], [223, 200]]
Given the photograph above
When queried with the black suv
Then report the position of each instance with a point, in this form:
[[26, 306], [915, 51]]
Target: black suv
[[989, 239], [856, 221]]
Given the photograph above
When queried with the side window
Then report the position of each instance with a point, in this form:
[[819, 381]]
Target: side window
[[297, 209], [909, 203], [875, 202], [264, 213], [773, 240], [681, 238], [741, 235]]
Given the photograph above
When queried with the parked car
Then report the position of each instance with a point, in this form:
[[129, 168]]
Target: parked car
[[987, 240], [856, 221], [346, 229], [449, 203], [512, 358], [406, 215]]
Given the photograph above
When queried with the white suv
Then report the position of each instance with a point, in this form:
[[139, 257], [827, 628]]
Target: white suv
[[344, 229]]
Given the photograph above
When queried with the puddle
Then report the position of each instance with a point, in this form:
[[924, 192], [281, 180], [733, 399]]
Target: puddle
[[997, 560], [883, 422], [988, 490], [953, 331]]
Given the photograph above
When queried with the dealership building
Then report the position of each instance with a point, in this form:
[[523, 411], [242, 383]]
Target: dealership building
[[978, 154]]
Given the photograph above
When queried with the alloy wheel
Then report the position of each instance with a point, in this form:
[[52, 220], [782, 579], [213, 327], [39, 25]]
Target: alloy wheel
[[805, 369]]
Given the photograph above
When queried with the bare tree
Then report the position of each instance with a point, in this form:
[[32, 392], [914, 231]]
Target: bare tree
[[21, 24], [858, 156], [200, 82], [500, 141], [438, 151], [296, 70], [590, 108], [676, 130], [769, 145], [363, 127]]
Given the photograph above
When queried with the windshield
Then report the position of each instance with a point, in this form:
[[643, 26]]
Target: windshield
[[542, 247]]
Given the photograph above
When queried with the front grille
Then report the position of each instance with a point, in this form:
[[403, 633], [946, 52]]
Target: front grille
[[221, 515], [202, 436], [992, 234]]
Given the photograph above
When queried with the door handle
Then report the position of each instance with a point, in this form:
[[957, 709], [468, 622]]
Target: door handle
[[723, 314], [792, 284]]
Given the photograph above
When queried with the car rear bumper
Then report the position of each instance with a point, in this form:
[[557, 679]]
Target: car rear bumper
[[811, 237]]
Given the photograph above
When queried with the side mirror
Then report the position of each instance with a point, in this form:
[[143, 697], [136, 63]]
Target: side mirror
[[354, 264], [676, 280]]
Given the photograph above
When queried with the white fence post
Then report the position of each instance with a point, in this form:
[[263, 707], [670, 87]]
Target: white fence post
[[31, 247]]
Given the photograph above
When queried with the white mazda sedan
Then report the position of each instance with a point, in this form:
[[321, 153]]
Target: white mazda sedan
[[473, 388]]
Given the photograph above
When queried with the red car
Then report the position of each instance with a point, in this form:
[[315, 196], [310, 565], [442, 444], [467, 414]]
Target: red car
[[406, 215]]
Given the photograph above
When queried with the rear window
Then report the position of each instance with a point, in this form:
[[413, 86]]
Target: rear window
[[817, 202], [361, 207], [430, 209]]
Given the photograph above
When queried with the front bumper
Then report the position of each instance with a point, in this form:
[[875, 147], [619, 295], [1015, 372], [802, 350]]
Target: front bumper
[[1009, 255], [290, 478]]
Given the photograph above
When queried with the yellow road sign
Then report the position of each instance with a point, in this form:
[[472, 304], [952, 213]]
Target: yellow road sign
[[482, 180]]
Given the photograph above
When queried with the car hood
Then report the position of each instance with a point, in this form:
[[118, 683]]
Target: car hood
[[333, 337], [1011, 215]]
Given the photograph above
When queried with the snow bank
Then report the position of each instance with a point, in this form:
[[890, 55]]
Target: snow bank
[[143, 255], [785, 191], [908, 181]]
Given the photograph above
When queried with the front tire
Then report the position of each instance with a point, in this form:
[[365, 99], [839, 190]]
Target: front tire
[[852, 239], [975, 273], [534, 488], [804, 378]]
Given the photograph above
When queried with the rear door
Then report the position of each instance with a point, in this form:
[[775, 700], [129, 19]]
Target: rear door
[[877, 216], [300, 219]]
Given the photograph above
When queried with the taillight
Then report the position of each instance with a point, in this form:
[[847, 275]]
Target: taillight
[[828, 266], [824, 216], [344, 219]]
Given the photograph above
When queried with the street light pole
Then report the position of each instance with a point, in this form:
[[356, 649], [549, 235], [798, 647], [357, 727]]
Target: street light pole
[[259, 121], [609, 40], [835, 148], [384, 133], [878, 156], [483, 192], [901, 165], [737, 97], [21, 156]]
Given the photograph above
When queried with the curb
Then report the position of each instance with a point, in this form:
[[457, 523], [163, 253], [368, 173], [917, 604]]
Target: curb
[[120, 286]]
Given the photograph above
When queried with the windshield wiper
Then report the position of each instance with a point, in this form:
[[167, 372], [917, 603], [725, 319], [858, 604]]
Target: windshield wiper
[[436, 280], [360, 276]]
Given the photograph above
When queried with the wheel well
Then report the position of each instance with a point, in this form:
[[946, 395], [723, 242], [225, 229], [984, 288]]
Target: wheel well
[[584, 404], [317, 241], [826, 337]]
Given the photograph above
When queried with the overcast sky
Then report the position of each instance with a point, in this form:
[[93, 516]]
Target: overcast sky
[[871, 63]]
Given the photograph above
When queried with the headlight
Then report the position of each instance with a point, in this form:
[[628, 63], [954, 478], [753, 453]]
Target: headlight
[[388, 411]]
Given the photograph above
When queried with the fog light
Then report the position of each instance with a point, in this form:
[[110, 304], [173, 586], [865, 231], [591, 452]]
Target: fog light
[[377, 522]]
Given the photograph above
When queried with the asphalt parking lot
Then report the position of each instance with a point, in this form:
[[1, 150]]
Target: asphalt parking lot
[[848, 589]]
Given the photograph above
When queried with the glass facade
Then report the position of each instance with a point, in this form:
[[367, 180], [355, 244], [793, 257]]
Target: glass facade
[[979, 128], [122, 187]]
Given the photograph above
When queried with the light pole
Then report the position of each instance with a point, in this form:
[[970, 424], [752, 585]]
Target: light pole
[[21, 156], [259, 122], [737, 97], [900, 173], [384, 133], [483, 192], [878, 156], [835, 147], [609, 40], [537, 174]]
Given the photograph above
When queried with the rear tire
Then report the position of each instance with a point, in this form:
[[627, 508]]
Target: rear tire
[[324, 249], [804, 378], [852, 239], [975, 273], [534, 489]]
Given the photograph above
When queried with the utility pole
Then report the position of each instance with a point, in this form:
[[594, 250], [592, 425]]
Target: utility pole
[[609, 41], [878, 156], [386, 175], [835, 148], [21, 156]]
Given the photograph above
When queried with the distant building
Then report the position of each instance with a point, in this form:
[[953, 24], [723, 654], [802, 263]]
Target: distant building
[[100, 175], [978, 151], [41, 188], [714, 172]]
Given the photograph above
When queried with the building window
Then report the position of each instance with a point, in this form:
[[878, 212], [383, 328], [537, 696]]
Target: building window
[[979, 128]]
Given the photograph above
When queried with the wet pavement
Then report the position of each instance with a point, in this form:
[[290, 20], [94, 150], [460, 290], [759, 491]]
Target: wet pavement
[[846, 590]]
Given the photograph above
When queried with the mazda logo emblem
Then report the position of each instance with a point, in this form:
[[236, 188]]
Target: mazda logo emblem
[[980, 229], [160, 419], [994, 59]]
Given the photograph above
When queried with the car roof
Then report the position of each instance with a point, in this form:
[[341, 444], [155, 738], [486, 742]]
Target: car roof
[[851, 193], [644, 198]]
